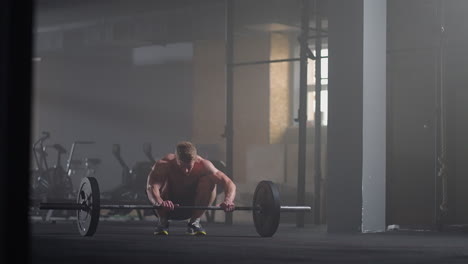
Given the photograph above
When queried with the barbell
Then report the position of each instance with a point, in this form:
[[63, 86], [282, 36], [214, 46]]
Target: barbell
[[266, 207]]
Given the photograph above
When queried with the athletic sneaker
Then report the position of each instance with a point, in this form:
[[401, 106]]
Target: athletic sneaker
[[195, 228], [162, 229]]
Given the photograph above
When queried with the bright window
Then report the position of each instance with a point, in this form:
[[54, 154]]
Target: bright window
[[311, 88]]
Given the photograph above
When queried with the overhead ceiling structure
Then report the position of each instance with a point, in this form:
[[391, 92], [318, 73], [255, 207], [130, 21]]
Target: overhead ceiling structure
[[130, 24]]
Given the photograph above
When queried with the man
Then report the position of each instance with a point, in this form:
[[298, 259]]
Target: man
[[184, 178]]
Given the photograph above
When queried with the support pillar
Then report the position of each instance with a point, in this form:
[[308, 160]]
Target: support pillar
[[357, 116]]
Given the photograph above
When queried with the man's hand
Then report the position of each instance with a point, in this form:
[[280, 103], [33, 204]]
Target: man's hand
[[227, 206], [167, 205]]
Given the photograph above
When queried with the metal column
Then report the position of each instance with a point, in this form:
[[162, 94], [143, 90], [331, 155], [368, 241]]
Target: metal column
[[229, 129], [318, 115], [441, 184], [302, 111]]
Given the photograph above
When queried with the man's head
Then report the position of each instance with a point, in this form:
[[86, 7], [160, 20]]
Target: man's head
[[186, 153]]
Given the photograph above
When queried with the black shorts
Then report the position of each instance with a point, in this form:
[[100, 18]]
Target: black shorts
[[180, 214]]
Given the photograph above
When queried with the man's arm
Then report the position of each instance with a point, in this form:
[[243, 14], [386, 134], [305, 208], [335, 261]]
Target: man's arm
[[156, 179], [219, 177]]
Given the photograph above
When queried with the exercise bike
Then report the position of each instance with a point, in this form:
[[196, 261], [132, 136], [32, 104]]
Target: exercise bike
[[38, 182], [48, 183], [54, 184]]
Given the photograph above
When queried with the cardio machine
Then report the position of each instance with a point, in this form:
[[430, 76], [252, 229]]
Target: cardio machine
[[132, 186]]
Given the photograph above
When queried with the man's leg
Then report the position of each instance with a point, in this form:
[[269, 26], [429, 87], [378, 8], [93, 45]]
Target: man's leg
[[204, 196], [162, 215]]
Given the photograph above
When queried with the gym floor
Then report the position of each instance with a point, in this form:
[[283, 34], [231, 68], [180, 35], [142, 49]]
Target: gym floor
[[133, 242]]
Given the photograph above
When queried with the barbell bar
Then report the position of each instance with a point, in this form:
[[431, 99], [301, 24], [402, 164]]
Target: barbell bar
[[75, 206], [266, 207]]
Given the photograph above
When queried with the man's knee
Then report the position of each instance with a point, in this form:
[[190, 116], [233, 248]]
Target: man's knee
[[164, 192], [206, 185], [206, 192]]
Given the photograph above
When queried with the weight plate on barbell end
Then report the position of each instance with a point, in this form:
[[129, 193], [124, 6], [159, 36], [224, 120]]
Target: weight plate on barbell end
[[87, 220], [267, 219]]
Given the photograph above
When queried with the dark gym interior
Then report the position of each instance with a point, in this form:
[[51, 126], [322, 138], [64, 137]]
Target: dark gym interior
[[357, 109]]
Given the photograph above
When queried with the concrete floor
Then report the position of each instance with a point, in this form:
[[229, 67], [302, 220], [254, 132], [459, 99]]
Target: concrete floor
[[132, 242]]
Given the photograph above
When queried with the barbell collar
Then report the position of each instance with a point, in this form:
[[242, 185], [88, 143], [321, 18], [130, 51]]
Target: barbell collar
[[295, 208]]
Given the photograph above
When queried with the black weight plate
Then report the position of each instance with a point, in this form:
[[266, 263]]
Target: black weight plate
[[87, 220], [267, 219]]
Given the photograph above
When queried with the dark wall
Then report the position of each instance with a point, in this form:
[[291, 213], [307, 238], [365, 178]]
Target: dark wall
[[99, 95], [414, 78], [412, 43]]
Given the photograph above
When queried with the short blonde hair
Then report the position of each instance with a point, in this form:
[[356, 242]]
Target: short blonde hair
[[186, 152]]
